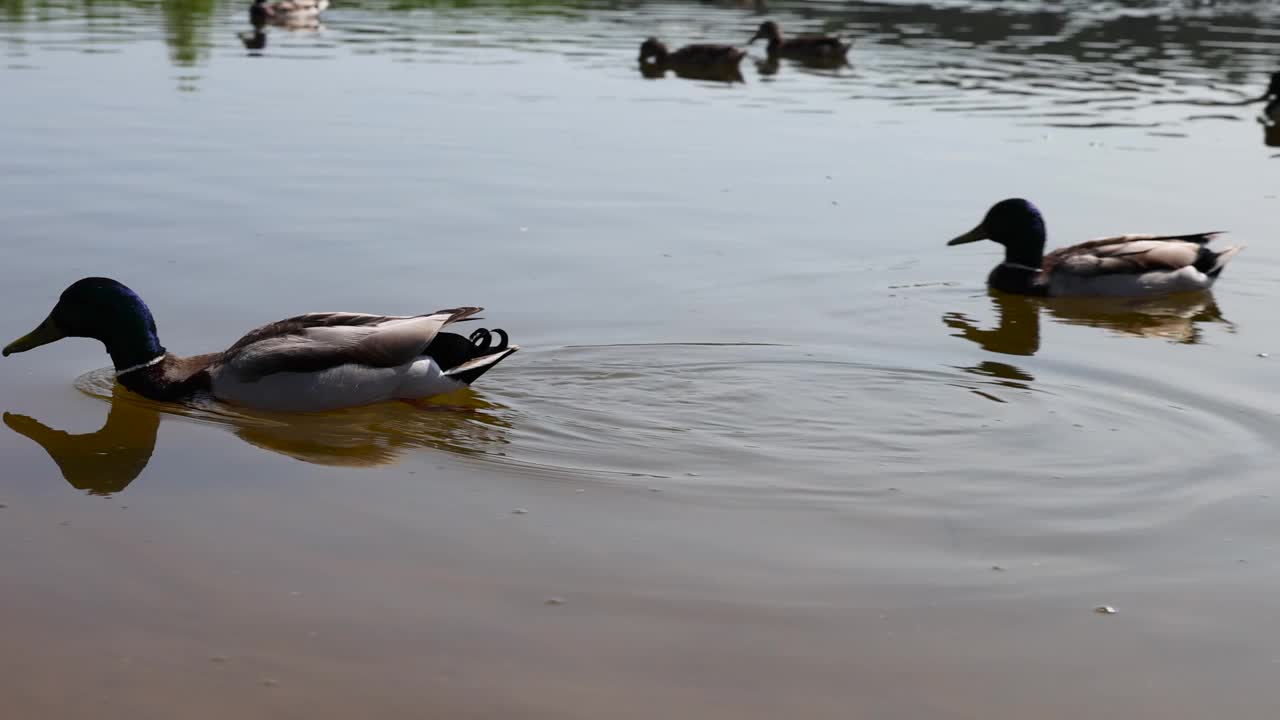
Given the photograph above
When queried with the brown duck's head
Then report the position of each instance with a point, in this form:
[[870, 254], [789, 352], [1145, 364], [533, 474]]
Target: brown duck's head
[[768, 30], [652, 50]]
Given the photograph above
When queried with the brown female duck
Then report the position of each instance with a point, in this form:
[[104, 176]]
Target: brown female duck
[[808, 48], [698, 62]]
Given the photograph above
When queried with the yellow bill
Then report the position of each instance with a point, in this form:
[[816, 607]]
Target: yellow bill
[[46, 333]]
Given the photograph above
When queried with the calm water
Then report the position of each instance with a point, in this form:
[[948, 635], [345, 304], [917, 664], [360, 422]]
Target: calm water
[[772, 437]]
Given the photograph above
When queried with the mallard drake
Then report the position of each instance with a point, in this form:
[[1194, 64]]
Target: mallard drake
[[1122, 265], [318, 361], [810, 48], [262, 12], [699, 62]]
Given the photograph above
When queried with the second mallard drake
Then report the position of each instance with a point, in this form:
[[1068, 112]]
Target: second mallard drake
[[283, 12], [1130, 265], [809, 48], [699, 62], [319, 361]]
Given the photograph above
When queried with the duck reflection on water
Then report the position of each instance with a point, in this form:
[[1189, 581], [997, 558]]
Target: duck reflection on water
[[1176, 318], [105, 462], [254, 40], [102, 462]]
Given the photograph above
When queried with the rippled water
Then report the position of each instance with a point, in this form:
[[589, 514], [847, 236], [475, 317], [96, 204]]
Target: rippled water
[[770, 435]]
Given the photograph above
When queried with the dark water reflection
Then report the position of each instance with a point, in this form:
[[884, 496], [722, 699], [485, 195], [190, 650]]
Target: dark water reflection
[[707, 74], [254, 40]]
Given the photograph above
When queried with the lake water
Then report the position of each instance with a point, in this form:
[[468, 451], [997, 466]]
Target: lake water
[[771, 448]]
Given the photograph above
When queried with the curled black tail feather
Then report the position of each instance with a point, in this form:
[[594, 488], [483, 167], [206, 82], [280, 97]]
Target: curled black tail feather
[[451, 350]]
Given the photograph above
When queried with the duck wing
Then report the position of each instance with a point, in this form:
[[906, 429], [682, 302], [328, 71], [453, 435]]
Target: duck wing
[[1134, 255], [318, 341]]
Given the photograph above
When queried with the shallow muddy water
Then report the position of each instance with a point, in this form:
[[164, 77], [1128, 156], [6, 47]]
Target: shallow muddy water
[[776, 448]]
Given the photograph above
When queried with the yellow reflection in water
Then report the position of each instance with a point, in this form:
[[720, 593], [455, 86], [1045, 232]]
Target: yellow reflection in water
[[1176, 318], [106, 461], [102, 462]]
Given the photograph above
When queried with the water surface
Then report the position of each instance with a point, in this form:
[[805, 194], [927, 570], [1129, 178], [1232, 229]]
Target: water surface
[[772, 438]]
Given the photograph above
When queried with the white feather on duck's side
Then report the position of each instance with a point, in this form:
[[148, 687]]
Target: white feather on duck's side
[[300, 7], [348, 385], [286, 12], [323, 361], [1126, 265]]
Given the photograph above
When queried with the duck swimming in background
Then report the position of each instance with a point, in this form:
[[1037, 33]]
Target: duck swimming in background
[[1129, 265], [698, 62], [809, 48], [318, 361], [262, 12]]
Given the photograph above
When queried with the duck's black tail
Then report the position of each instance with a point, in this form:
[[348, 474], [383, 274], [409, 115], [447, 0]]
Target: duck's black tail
[[1212, 262], [465, 359]]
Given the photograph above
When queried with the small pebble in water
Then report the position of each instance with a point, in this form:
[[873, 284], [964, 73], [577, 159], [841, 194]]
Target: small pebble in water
[[218, 658], [3, 506], [997, 568], [554, 600], [519, 511], [1105, 610], [653, 489], [268, 682], [1264, 355]]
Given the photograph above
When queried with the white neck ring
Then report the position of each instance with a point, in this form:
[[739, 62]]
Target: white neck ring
[[140, 366]]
